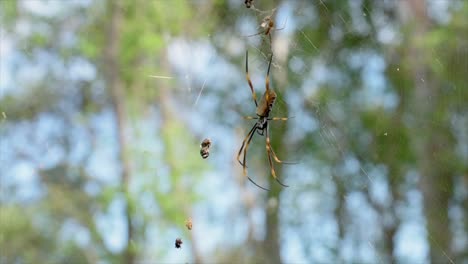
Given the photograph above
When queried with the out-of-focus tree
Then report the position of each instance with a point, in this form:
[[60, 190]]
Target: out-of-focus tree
[[120, 47], [376, 89]]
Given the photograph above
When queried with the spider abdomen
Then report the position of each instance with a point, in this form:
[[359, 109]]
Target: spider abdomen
[[266, 103]]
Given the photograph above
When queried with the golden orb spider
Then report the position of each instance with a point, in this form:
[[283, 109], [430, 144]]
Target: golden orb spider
[[261, 126]]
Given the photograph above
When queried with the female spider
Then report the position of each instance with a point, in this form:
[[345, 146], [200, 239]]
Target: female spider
[[261, 126]]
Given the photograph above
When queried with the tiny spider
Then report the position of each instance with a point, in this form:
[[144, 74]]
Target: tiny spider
[[268, 26], [261, 126], [248, 3], [178, 243], [205, 148], [188, 224]]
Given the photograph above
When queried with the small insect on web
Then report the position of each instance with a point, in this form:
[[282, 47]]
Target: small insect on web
[[261, 126], [188, 224], [178, 243]]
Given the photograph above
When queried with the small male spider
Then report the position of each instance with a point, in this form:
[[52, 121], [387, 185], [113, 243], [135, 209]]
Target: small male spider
[[261, 126], [268, 26]]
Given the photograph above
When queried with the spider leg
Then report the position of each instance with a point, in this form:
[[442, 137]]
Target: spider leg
[[267, 82], [248, 77], [278, 160], [244, 165], [248, 137], [279, 118], [260, 131], [284, 25], [263, 188], [246, 148], [250, 117], [256, 34], [269, 36], [270, 153]]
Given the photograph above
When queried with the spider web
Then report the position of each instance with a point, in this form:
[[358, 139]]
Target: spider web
[[325, 124], [330, 122]]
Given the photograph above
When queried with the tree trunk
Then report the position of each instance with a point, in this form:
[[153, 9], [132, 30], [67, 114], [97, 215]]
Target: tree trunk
[[271, 248], [111, 55], [431, 138]]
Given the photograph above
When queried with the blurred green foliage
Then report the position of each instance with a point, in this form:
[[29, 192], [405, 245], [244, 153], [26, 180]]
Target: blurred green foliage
[[61, 122]]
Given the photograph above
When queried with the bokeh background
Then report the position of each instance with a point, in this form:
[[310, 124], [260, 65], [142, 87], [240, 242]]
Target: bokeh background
[[103, 105]]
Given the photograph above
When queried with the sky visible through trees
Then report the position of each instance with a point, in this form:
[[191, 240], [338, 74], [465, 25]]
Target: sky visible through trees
[[104, 104]]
